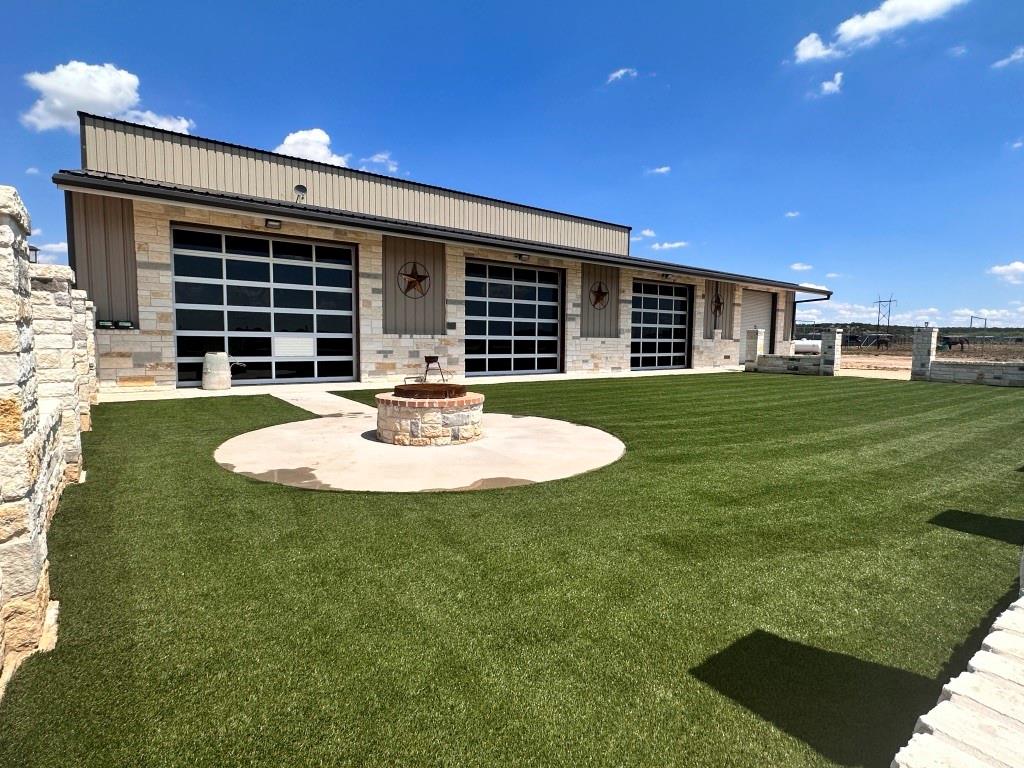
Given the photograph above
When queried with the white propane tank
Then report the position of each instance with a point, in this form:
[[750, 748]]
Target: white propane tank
[[807, 347], [216, 371]]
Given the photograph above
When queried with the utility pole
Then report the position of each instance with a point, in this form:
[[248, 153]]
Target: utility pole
[[884, 312], [980, 321]]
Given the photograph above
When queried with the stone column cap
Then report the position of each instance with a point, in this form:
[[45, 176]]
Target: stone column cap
[[11, 205], [52, 272]]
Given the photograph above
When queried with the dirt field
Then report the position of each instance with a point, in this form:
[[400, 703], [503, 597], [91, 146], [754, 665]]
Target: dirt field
[[1000, 352]]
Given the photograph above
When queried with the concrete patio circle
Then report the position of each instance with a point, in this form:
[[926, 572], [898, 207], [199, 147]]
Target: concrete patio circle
[[341, 453]]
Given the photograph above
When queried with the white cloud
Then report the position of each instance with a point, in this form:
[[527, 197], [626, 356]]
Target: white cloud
[[868, 28], [815, 285], [635, 239], [1012, 273], [957, 51], [37, 232], [621, 74], [669, 246], [811, 47], [311, 144], [383, 160], [167, 122], [648, 232], [661, 170], [799, 266], [1017, 144], [31, 171], [833, 86], [833, 275], [53, 253], [792, 214], [99, 88], [1013, 58]]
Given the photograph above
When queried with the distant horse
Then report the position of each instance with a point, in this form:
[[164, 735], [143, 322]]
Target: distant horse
[[948, 342]]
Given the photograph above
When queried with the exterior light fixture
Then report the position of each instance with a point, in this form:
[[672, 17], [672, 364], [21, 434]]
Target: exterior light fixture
[[300, 193], [666, 276], [272, 223], [523, 257], [33, 254]]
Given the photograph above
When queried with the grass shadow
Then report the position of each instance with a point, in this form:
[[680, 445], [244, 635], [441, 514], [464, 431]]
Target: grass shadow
[[999, 528], [851, 711]]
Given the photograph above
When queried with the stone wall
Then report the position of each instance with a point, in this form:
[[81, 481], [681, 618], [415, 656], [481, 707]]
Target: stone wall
[[824, 364], [925, 366], [44, 378]]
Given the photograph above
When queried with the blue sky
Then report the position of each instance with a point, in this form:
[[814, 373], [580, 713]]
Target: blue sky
[[704, 123]]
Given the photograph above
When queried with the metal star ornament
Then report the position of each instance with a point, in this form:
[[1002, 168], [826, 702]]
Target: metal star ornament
[[599, 295], [414, 280]]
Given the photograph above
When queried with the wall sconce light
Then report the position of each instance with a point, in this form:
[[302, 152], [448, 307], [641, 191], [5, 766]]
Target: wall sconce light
[[272, 223], [33, 254], [666, 276], [300, 193], [522, 257]]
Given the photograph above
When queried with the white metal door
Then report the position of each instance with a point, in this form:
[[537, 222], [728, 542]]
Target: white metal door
[[755, 312]]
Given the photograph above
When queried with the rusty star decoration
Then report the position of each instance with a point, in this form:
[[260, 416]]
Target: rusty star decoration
[[417, 282], [598, 295]]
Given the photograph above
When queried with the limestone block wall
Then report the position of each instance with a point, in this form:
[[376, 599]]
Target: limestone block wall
[[824, 364], [40, 420], [925, 366]]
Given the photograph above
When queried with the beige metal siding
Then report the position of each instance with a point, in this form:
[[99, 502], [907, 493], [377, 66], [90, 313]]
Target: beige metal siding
[[599, 323], [405, 314], [755, 312], [104, 254], [147, 153]]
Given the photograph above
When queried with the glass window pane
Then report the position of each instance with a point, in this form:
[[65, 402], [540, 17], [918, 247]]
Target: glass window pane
[[525, 347], [252, 370], [198, 293], [289, 323], [334, 278], [500, 328], [297, 369], [500, 309], [526, 310], [197, 346], [333, 346], [526, 329], [200, 320], [547, 364], [476, 347], [196, 266], [525, 275], [476, 309], [524, 364], [190, 372], [292, 298], [293, 273], [249, 295], [499, 364], [476, 365], [256, 271], [547, 312], [197, 241], [497, 272], [551, 278], [526, 293], [249, 321], [547, 294], [476, 269], [327, 254], [475, 288], [499, 347], [500, 291], [333, 300], [547, 329], [476, 328], [334, 368], [246, 246], [285, 249], [547, 347], [249, 346], [334, 324]]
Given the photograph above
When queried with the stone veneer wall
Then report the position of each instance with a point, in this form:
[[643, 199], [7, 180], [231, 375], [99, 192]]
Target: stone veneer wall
[[42, 328], [824, 364], [145, 356], [925, 366]]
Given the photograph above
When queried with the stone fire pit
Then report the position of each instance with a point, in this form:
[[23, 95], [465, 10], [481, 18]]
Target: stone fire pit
[[429, 414]]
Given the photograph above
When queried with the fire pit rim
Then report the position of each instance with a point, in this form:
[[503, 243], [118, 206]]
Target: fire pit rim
[[429, 391]]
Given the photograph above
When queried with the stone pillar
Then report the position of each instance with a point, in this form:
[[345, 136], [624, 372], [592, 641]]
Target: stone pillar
[[925, 341], [783, 347], [31, 462], [92, 383], [53, 321], [80, 348], [831, 351], [755, 344]]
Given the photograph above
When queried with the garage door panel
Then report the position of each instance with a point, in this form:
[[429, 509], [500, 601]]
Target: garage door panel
[[282, 308], [513, 319], [755, 312], [660, 325]]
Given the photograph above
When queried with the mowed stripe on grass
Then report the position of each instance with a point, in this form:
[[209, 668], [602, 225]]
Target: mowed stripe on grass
[[762, 579]]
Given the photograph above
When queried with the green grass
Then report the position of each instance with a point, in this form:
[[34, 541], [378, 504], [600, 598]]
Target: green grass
[[780, 571]]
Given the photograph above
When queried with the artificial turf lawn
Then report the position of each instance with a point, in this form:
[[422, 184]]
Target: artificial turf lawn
[[780, 571]]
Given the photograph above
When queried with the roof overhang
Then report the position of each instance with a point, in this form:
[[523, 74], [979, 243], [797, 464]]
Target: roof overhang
[[123, 186]]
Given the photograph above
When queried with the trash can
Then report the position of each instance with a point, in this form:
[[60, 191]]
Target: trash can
[[216, 371]]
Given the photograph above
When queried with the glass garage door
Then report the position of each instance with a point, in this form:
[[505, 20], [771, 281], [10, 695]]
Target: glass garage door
[[660, 325], [513, 319], [283, 308]]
